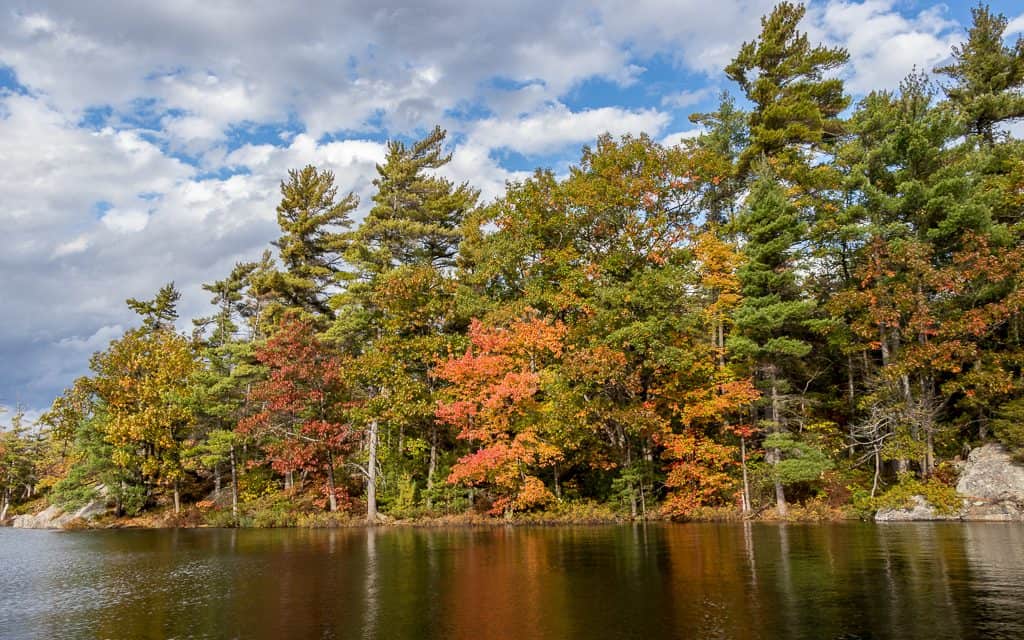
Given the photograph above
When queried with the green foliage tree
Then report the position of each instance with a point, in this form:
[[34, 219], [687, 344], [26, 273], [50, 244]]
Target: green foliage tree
[[796, 106], [398, 307], [987, 75], [772, 320], [313, 221]]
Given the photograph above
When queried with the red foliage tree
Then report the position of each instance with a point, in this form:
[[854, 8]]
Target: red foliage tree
[[303, 406]]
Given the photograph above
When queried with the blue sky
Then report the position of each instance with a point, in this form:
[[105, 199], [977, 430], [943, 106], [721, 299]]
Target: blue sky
[[144, 142]]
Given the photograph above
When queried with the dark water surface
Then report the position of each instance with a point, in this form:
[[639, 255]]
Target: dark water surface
[[942, 580]]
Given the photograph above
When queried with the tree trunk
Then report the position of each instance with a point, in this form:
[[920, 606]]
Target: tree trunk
[[780, 499], [177, 498], [632, 489], [371, 472], [431, 467], [7, 504], [780, 495], [851, 388], [234, 489], [216, 481], [332, 496], [746, 480], [878, 471]]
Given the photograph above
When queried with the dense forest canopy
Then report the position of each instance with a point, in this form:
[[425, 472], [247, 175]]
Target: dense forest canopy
[[812, 305]]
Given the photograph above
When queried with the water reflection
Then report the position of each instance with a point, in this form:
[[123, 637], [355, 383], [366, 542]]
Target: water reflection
[[941, 580]]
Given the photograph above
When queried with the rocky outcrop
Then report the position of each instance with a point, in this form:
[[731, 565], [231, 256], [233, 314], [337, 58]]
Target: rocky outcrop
[[54, 517], [920, 510], [998, 511], [992, 484], [991, 474]]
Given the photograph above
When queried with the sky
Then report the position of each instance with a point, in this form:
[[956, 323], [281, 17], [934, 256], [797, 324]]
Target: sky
[[143, 142]]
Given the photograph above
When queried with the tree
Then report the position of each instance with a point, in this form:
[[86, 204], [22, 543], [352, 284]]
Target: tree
[[399, 304], [495, 401], [987, 75], [83, 434], [312, 221], [19, 455], [416, 215], [142, 382], [796, 107], [714, 155], [303, 415], [218, 447], [771, 321], [221, 390], [160, 313]]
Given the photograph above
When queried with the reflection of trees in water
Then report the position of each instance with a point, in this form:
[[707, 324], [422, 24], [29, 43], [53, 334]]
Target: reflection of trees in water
[[995, 558], [370, 604], [701, 580]]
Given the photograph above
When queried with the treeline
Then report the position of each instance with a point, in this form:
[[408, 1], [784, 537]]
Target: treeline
[[808, 304]]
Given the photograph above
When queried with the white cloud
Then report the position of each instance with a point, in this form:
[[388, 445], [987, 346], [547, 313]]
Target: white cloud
[[884, 45], [556, 127], [75, 245], [474, 164], [699, 36], [1015, 26], [125, 220], [683, 99], [675, 138], [99, 207]]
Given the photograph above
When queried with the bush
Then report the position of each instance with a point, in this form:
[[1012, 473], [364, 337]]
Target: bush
[[218, 518], [574, 512], [271, 510], [1009, 427], [941, 496], [132, 498]]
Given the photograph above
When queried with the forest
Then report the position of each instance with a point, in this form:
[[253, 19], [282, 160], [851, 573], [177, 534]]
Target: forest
[[812, 309]]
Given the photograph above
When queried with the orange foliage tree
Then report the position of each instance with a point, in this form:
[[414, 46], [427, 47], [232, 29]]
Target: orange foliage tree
[[495, 399]]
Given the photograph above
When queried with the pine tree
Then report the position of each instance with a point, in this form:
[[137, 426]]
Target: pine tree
[[416, 215], [399, 302], [796, 107], [715, 154], [312, 220], [988, 76], [159, 313], [771, 321]]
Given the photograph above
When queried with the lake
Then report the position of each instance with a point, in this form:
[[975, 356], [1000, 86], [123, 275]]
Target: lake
[[849, 580]]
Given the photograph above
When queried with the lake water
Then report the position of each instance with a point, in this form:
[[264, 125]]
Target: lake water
[[924, 580]]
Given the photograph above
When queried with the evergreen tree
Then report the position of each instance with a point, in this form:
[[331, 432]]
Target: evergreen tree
[[772, 320], [399, 304], [161, 312], [988, 76], [715, 155], [796, 107], [312, 220], [416, 215]]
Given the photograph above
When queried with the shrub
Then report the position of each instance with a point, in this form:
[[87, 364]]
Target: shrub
[[941, 496]]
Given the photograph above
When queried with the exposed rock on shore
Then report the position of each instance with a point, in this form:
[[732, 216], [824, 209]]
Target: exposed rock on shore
[[991, 474], [54, 517], [921, 510], [992, 484]]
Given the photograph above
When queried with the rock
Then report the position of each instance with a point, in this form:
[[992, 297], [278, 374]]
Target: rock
[[41, 520], [1004, 511], [991, 474], [54, 517], [921, 510]]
